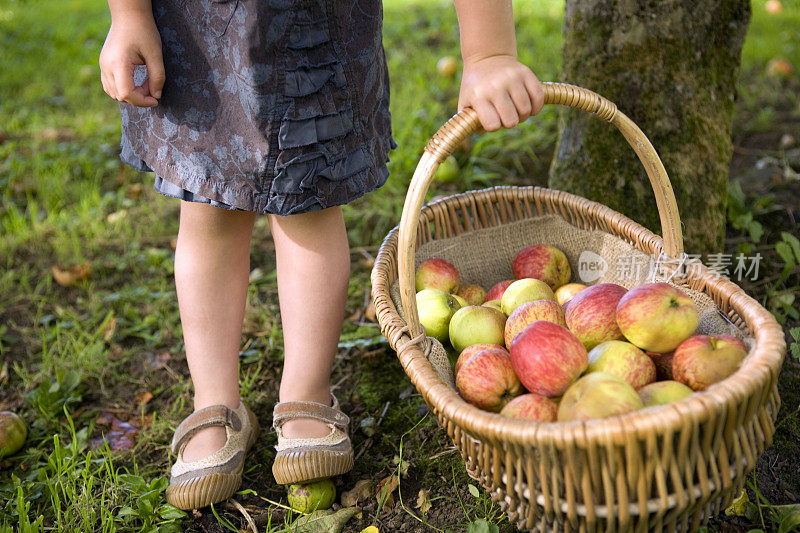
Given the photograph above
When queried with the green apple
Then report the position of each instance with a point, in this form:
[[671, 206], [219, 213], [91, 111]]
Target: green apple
[[525, 290], [476, 324], [436, 308]]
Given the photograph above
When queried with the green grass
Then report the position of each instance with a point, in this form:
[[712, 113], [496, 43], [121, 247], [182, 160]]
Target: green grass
[[65, 198]]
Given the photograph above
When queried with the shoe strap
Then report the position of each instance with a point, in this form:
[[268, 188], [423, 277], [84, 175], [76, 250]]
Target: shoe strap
[[215, 415], [284, 411]]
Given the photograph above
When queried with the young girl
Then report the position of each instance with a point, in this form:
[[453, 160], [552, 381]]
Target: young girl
[[277, 107]]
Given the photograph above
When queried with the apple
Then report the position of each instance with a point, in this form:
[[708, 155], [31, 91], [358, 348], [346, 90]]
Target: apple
[[773, 7], [623, 359], [528, 313], [13, 433], [543, 262], [474, 324], [310, 497], [471, 350], [598, 395], [525, 290], [487, 380], [531, 406], [496, 292], [435, 273], [461, 301], [656, 317], [548, 358], [702, 360], [447, 66], [567, 292], [591, 314], [663, 363], [436, 308], [448, 170], [474, 294], [494, 304], [663, 392]]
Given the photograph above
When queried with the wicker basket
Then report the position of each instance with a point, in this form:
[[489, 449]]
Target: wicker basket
[[666, 468]]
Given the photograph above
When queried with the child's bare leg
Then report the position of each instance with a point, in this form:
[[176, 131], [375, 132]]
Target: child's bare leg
[[313, 259], [212, 266]]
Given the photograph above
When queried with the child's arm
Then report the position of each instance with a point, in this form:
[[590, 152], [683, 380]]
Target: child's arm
[[502, 90], [133, 39]]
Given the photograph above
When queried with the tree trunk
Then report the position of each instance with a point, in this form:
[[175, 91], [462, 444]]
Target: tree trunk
[[672, 67]]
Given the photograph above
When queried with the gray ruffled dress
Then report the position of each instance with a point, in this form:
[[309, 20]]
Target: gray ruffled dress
[[272, 106]]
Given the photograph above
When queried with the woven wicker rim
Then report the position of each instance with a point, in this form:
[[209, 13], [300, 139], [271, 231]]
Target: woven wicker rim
[[395, 260]]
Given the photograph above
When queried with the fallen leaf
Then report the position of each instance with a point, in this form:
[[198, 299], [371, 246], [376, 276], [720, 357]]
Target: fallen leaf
[[326, 521], [116, 215], [360, 492], [121, 436], [385, 491], [402, 465], [424, 501], [369, 312], [134, 191], [4, 373], [370, 529], [737, 507], [109, 327], [144, 397], [143, 421], [70, 276]]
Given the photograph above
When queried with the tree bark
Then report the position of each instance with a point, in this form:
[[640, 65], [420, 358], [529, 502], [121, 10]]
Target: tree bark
[[672, 67]]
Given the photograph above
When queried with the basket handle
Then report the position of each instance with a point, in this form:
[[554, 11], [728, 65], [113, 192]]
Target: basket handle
[[466, 122]]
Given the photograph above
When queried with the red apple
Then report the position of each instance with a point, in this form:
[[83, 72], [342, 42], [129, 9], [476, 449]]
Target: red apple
[[591, 314], [598, 395], [436, 273], [525, 290], [663, 363], [656, 317], [702, 360], [623, 359], [473, 294], [487, 380], [663, 392], [471, 350], [528, 313], [496, 292], [474, 324], [531, 406], [567, 292], [548, 358], [544, 262]]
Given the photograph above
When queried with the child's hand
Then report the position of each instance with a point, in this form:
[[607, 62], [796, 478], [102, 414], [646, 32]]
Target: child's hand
[[133, 41], [502, 90]]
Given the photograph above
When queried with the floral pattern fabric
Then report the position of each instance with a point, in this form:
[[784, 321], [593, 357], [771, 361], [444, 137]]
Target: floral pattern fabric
[[273, 106]]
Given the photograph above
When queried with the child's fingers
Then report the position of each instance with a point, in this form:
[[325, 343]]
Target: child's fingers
[[127, 91], [506, 110], [155, 71], [521, 99], [104, 79], [535, 91], [487, 114]]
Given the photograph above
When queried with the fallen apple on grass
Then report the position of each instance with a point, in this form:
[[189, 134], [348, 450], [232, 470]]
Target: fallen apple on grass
[[656, 317], [591, 314], [309, 497], [598, 395], [543, 262], [702, 360], [436, 273], [528, 313], [471, 350], [435, 308], [475, 324], [473, 294], [624, 360], [531, 406], [13, 433], [548, 358], [487, 380], [663, 392], [525, 290]]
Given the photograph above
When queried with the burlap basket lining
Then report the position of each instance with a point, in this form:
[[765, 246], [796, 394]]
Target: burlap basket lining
[[484, 256]]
